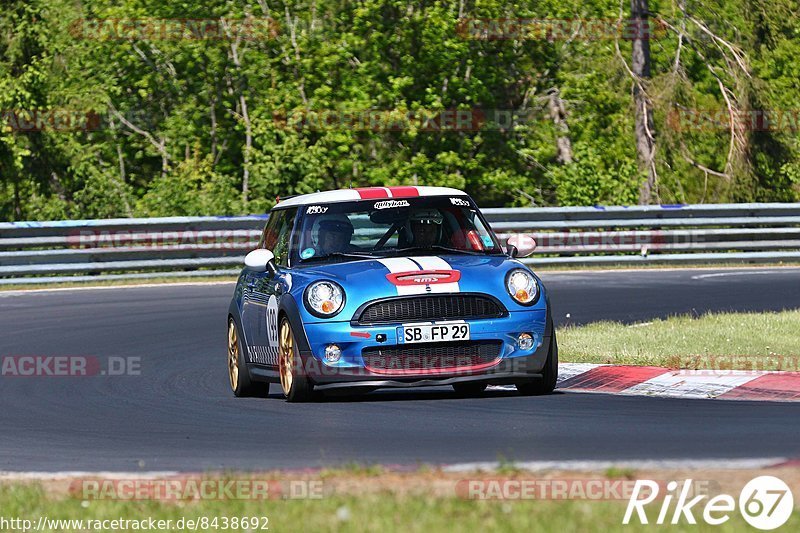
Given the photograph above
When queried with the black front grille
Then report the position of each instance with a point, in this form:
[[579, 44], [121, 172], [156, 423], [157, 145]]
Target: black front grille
[[433, 307], [431, 356]]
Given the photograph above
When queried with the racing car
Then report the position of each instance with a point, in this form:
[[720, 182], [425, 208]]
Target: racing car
[[387, 287]]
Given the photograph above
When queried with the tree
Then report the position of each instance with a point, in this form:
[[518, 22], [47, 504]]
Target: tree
[[644, 129]]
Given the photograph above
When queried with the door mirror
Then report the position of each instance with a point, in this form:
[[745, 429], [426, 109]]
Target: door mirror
[[520, 245], [260, 260]]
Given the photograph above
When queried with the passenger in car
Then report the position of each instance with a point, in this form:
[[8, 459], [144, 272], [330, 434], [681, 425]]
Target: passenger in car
[[335, 233]]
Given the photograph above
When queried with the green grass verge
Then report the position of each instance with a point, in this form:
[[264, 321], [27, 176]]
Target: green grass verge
[[746, 341], [368, 512]]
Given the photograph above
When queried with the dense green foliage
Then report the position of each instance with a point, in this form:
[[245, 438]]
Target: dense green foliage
[[171, 117]]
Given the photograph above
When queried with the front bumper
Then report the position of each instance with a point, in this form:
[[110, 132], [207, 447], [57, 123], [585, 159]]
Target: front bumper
[[506, 372], [511, 363]]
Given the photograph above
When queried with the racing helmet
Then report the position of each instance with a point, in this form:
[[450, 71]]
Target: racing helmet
[[426, 216], [428, 219], [333, 224]]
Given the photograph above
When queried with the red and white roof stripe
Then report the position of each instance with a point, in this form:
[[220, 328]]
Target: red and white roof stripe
[[369, 193]]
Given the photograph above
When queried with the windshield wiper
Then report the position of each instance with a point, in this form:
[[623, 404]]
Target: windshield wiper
[[346, 255], [434, 247]]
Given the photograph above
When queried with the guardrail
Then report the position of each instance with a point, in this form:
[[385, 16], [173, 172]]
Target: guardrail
[[57, 251]]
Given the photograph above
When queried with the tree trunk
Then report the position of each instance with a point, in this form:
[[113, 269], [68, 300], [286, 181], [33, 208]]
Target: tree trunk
[[248, 146], [17, 201], [559, 116], [126, 203], [248, 128], [213, 132], [643, 114]]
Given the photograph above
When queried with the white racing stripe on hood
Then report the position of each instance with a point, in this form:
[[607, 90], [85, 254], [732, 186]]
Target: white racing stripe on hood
[[399, 264], [410, 264], [403, 264], [432, 262]]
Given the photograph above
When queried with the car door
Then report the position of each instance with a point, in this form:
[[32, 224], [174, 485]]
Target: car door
[[264, 289]]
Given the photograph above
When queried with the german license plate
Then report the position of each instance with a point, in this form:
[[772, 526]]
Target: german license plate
[[435, 332]]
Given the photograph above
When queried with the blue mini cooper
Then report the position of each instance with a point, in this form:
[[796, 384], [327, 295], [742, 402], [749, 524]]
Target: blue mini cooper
[[388, 287]]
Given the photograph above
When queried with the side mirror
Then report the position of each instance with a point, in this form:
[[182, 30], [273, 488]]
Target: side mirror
[[520, 245], [260, 260]]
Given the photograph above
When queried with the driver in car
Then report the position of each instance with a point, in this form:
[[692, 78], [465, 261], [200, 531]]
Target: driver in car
[[426, 227], [335, 233]]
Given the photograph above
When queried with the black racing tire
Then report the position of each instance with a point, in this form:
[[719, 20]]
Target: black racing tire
[[295, 385], [547, 383], [469, 389]]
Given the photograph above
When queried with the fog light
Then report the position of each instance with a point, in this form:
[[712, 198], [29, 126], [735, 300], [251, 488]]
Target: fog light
[[525, 341], [332, 353]]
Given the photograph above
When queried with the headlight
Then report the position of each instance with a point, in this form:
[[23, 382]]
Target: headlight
[[522, 286], [324, 299]]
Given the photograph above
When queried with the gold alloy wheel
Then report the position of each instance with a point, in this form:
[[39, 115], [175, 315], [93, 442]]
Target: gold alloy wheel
[[233, 355], [286, 357]]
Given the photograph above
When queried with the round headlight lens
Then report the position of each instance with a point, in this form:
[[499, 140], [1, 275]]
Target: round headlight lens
[[522, 286], [324, 298]]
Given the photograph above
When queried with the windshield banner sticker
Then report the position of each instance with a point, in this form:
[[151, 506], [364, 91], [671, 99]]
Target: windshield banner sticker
[[387, 204]]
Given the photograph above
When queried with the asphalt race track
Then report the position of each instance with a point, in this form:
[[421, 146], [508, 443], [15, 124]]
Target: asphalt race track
[[179, 413]]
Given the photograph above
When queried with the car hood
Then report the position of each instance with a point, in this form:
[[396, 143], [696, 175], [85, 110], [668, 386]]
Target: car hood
[[367, 280]]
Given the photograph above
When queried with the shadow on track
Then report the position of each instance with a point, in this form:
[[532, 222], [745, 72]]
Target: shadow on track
[[404, 395]]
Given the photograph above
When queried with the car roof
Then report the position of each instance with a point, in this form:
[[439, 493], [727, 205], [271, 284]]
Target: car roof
[[366, 193]]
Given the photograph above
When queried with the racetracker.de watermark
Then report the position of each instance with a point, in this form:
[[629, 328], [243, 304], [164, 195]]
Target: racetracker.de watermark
[[175, 29], [196, 488], [374, 120], [593, 489], [164, 239], [382, 120], [68, 366], [721, 120], [55, 119], [379, 365], [551, 29], [714, 365], [610, 241]]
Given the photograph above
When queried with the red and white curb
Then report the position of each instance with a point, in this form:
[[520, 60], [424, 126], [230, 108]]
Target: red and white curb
[[684, 383], [755, 463]]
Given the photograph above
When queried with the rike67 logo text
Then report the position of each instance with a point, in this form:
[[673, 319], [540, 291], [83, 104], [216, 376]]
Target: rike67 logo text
[[765, 503]]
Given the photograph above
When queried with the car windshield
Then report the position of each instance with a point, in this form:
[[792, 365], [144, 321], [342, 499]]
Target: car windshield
[[391, 227]]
